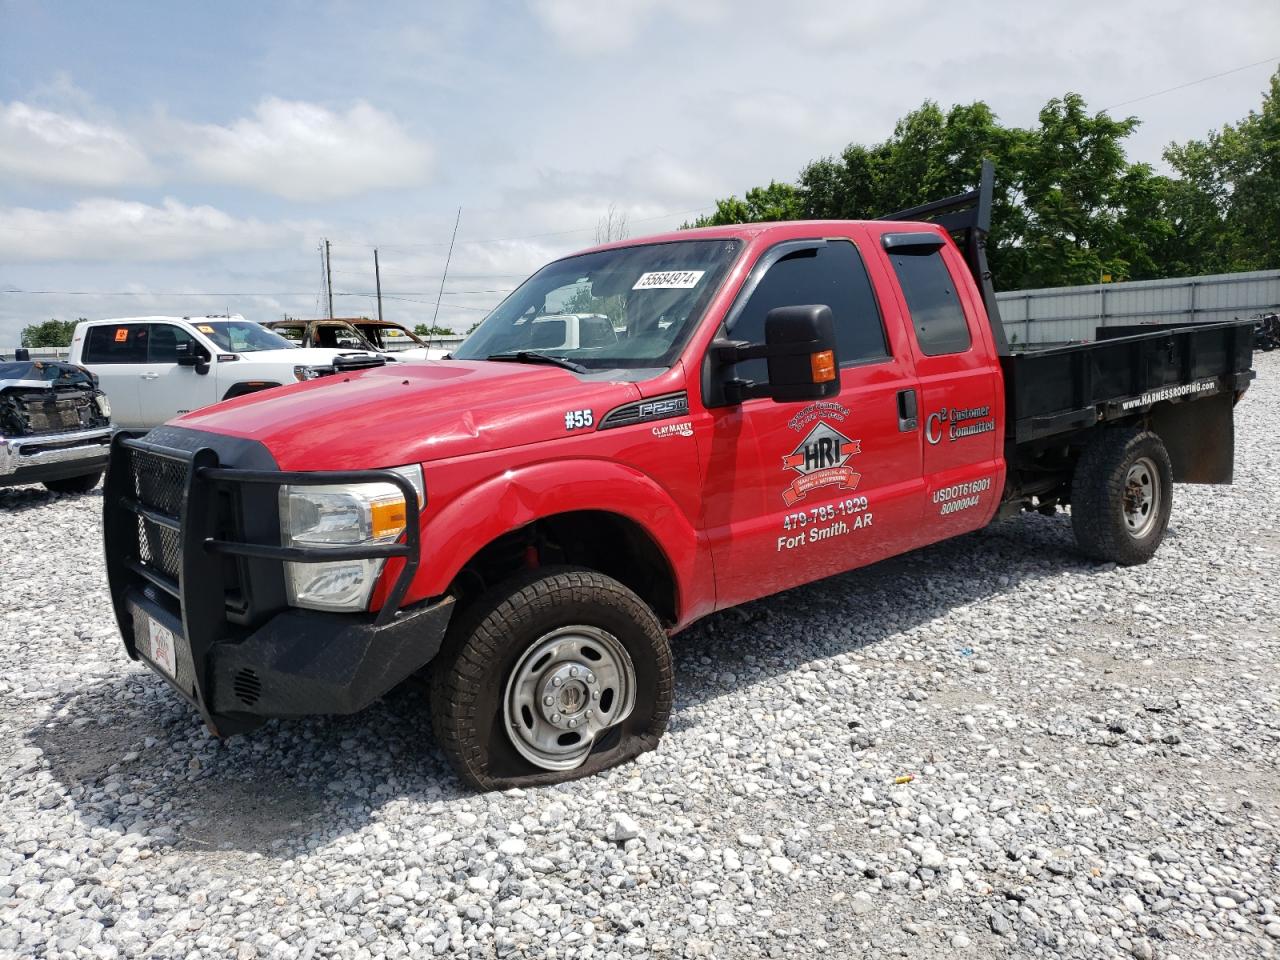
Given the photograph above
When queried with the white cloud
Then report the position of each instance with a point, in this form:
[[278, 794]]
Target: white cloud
[[304, 151], [51, 147], [107, 229], [588, 26]]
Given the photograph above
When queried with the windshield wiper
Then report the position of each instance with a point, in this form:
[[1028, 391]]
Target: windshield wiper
[[528, 356]]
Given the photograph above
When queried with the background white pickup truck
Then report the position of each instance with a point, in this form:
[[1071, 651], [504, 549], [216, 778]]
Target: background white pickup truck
[[154, 368]]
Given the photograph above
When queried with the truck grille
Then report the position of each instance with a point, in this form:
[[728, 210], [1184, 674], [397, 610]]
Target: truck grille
[[158, 485]]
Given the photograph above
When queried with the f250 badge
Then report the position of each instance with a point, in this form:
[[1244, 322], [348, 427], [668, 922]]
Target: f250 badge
[[821, 460]]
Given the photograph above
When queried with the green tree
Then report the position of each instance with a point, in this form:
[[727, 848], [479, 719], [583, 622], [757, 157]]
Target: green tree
[[433, 330], [1072, 190], [1069, 206], [777, 201], [1226, 203], [51, 333]]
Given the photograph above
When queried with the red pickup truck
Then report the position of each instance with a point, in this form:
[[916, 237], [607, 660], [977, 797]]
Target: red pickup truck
[[781, 402]]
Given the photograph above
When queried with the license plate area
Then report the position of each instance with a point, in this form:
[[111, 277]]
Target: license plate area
[[161, 648], [159, 640]]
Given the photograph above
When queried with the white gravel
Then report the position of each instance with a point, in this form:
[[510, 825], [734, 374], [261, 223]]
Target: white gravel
[[1093, 753]]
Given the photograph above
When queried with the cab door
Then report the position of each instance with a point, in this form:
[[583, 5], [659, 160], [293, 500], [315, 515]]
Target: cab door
[[117, 353], [799, 491], [168, 389], [961, 398]]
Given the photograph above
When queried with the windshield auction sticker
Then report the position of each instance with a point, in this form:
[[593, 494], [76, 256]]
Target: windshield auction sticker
[[669, 280]]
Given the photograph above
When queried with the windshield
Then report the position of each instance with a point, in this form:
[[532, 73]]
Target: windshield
[[389, 337], [626, 307], [242, 336]]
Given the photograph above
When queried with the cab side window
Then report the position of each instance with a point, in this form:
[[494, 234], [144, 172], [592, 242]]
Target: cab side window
[[116, 343], [164, 340], [939, 320], [833, 274]]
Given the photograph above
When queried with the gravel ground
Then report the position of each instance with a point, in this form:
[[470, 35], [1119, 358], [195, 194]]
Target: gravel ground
[[1093, 753]]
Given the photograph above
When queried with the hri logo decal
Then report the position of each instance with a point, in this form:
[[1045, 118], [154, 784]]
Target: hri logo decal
[[821, 460]]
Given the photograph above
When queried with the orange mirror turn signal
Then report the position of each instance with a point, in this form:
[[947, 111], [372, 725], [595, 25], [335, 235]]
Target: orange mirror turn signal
[[823, 365]]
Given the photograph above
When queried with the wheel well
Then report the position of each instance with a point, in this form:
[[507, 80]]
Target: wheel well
[[606, 542], [249, 386]]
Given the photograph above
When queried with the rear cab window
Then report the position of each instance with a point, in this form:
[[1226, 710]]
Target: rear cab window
[[937, 315], [116, 343]]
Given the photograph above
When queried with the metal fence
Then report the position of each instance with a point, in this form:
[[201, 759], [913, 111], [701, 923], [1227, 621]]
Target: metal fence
[[1057, 314], [38, 353]]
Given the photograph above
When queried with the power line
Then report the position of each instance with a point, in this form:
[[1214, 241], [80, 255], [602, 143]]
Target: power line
[[388, 296], [538, 236], [149, 293], [1191, 83], [223, 293], [448, 257]]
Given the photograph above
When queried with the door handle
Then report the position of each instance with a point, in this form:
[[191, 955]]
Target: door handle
[[907, 412], [150, 375]]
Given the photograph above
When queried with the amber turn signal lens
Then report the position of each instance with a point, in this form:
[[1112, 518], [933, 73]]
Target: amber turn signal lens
[[388, 518], [824, 366]]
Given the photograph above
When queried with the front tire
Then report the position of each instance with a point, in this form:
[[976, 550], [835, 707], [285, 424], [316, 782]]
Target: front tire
[[1121, 496], [81, 484], [556, 674]]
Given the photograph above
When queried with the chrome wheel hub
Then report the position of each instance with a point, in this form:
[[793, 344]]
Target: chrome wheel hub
[[1141, 498], [567, 688]]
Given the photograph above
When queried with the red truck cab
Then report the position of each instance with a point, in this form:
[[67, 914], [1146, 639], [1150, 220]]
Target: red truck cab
[[781, 402]]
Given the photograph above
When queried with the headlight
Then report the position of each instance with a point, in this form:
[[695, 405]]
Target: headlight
[[308, 373], [104, 405], [341, 515]]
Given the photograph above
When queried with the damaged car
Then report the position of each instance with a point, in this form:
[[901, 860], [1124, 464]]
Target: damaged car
[[55, 425]]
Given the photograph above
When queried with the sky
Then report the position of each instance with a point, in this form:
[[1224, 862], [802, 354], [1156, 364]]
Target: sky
[[187, 158]]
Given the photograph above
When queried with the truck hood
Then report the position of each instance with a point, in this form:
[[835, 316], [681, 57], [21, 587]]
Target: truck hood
[[411, 413]]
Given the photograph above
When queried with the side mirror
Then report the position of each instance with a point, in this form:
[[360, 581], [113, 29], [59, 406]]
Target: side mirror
[[187, 354], [799, 351], [801, 343], [22, 353]]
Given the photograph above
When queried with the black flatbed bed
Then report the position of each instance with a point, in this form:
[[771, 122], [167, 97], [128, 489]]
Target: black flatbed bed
[[1066, 388]]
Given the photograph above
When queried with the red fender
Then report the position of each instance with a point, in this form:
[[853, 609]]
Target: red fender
[[517, 497]]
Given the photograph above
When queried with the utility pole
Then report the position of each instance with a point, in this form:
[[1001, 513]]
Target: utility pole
[[377, 280], [328, 276], [446, 267]]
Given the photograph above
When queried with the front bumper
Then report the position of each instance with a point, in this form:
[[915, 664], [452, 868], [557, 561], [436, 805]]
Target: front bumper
[[298, 663], [53, 456], [193, 546]]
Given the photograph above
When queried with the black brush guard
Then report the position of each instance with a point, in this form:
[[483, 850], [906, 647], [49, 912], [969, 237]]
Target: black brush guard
[[194, 546]]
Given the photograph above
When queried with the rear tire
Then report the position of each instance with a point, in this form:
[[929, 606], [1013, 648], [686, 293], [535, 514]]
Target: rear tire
[[81, 484], [541, 636], [1121, 496]]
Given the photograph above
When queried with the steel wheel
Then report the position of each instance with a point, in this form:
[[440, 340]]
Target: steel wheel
[[1141, 498], [568, 688]]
